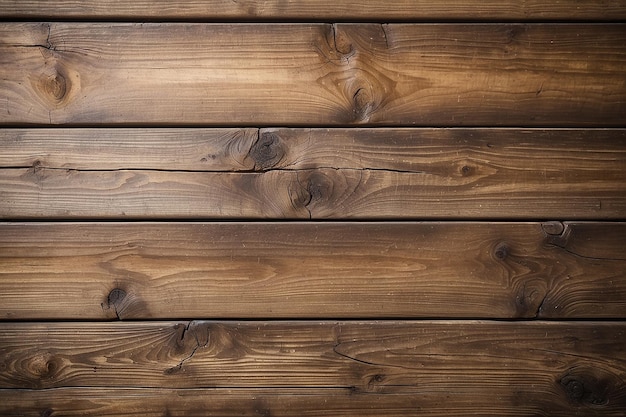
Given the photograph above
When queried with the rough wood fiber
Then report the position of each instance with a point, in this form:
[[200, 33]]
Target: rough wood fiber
[[314, 402], [313, 173], [179, 119], [326, 270], [313, 74], [376, 10], [526, 152], [483, 367]]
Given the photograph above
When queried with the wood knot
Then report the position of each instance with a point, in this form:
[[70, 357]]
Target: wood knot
[[116, 296], [57, 85], [585, 389], [309, 191], [339, 43], [375, 382], [124, 304], [363, 103], [48, 412], [44, 367], [267, 151], [557, 233], [553, 227], [574, 389], [466, 170], [501, 251], [318, 186]]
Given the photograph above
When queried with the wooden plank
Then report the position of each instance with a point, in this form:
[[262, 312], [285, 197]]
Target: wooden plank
[[313, 173], [375, 10], [326, 193], [159, 149], [312, 402], [313, 74], [308, 270], [504, 368], [521, 153]]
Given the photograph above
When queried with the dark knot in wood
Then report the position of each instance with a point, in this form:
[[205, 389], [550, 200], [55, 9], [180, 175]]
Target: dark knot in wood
[[501, 252], [116, 296], [267, 151], [48, 412], [574, 389], [586, 389]]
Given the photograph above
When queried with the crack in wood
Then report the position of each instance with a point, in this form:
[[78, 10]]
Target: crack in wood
[[559, 237], [191, 328], [284, 168]]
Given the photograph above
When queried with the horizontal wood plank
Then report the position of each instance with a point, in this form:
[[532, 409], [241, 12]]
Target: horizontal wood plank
[[313, 74], [316, 9], [550, 368], [307, 270], [313, 173], [314, 402], [151, 148], [527, 152]]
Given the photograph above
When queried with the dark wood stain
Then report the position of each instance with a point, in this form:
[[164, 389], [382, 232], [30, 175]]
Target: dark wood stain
[[276, 208]]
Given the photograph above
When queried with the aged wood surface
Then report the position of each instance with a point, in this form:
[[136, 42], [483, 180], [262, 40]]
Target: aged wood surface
[[316, 9], [559, 367], [331, 270], [314, 402], [586, 155], [313, 173], [313, 74]]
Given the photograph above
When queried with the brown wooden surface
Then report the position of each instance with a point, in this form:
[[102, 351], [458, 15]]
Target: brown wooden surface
[[313, 74], [523, 153], [316, 402], [313, 173], [486, 138], [559, 368], [316, 9], [348, 270]]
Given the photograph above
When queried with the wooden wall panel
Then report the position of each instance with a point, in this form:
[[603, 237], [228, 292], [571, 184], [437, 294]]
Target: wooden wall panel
[[313, 74], [559, 367], [164, 167], [349, 270], [313, 173], [316, 10], [314, 402]]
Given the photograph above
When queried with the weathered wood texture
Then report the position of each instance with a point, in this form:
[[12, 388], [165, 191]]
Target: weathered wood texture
[[376, 10], [313, 173], [313, 74], [484, 367], [500, 125], [312, 402], [284, 270]]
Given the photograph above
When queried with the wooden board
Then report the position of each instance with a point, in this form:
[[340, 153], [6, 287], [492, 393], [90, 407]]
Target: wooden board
[[308, 270], [485, 367], [313, 173], [315, 10], [312, 402], [313, 74]]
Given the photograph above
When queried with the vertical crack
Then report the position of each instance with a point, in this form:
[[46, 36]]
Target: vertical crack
[[306, 201], [191, 327], [383, 26], [541, 304]]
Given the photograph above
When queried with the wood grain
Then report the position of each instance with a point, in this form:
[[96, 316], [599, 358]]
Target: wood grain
[[551, 368], [308, 270], [226, 149], [520, 153], [313, 74], [313, 173], [315, 10], [314, 402]]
